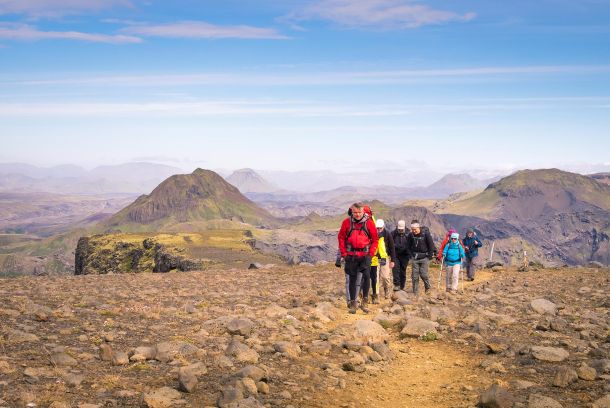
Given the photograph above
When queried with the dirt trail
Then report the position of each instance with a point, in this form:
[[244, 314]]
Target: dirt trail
[[422, 374]]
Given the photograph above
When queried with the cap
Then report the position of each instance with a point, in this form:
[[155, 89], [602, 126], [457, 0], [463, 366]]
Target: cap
[[380, 223], [401, 224], [455, 235]]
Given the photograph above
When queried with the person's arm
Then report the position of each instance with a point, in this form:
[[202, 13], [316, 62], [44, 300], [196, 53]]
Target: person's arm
[[341, 237], [431, 246], [479, 243], [370, 225], [391, 247], [462, 252]]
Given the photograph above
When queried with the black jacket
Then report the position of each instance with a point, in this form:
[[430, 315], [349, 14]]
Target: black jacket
[[400, 242], [389, 244], [421, 246]]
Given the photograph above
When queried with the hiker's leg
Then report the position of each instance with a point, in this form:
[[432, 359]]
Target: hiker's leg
[[366, 282], [396, 273], [455, 276], [424, 273], [473, 266], [374, 280], [415, 266], [385, 277], [448, 275], [469, 268], [351, 272], [404, 263]]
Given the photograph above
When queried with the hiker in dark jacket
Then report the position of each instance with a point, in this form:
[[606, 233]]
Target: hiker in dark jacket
[[472, 243], [421, 248], [399, 272]]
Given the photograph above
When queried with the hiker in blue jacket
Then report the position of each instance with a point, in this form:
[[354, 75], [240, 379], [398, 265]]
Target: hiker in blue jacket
[[472, 243], [453, 256]]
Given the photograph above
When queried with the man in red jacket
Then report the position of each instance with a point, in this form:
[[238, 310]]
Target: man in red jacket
[[357, 244]]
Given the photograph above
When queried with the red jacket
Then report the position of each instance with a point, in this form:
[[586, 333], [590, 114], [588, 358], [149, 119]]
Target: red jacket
[[358, 238]]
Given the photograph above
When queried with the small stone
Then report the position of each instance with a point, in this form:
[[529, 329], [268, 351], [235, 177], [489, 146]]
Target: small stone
[[250, 386], [416, 327], [586, 373], [187, 380], [552, 354], [541, 401], [543, 306], [165, 397], [106, 352], [603, 402], [229, 395], [262, 387], [63, 360], [120, 358], [288, 349], [255, 373], [286, 395], [564, 377], [240, 326], [496, 397], [73, 379]]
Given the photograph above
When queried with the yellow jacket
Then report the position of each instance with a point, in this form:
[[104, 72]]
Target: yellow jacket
[[381, 252]]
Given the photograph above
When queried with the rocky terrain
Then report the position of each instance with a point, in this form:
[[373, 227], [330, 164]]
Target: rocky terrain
[[281, 337]]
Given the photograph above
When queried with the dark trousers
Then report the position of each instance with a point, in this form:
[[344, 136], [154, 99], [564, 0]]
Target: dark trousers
[[357, 268], [399, 273], [373, 279], [420, 270], [471, 265]]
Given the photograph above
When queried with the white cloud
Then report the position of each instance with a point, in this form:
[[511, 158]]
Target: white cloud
[[29, 33], [377, 14], [56, 8], [475, 74], [201, 29]]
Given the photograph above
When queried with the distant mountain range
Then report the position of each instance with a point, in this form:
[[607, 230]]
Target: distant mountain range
[[130, 178], [249, 181]]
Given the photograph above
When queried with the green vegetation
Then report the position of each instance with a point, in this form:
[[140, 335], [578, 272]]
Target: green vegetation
[[430, 336]]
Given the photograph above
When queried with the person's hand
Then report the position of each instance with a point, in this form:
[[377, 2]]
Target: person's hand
[[392, 265], [382, 261], [338, 262]]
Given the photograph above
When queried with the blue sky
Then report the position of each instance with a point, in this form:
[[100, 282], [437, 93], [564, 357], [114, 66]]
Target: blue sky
[[323, 84]]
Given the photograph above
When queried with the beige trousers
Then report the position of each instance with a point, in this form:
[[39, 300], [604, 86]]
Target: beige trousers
[[386, 286]]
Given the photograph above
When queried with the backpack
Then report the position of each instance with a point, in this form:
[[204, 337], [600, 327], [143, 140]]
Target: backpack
[[364, 229]]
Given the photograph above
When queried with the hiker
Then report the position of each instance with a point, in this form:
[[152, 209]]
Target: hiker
[[453, 255], [421, 249], [445, 242], [472, 243], [382, 263], [399, 272], [358, 244]]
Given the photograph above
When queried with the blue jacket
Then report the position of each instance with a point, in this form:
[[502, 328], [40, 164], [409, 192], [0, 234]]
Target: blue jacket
[[453, 253], [473, 250]]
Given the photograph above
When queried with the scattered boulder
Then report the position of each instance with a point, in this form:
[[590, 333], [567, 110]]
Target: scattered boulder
[[288, 348], [63, 360], [255, 373], [241, 326], [106, 352], [543, 306], [120, 358], [165, 397], [541, 401], [564, 377], [496, 397], [603, 402], [417, 326], [187, 380], [552, 354], [586, 373]]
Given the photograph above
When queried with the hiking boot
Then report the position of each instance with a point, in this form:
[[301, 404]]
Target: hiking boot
[[396, 288], [353, 306], [375, 300], [363, 306]]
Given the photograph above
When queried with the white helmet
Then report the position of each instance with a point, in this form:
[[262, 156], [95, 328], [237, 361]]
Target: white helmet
[[380, 223]]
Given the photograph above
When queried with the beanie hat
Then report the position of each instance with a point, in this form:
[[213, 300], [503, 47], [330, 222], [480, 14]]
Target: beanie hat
[[469, 230], [401, 224], [455, 235], [380, 223]]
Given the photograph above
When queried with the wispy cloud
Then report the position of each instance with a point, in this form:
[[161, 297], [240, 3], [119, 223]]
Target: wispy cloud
[[201, 29], [283, 108], [21, 32], [57, 8], [340, 78], [377, 14]]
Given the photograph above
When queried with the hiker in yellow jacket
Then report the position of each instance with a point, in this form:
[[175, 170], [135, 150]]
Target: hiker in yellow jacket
[[381, 264]]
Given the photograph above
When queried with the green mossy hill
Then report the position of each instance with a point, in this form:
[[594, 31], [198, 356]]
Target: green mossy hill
[[201, 195], [528, 194], [136, 253]]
